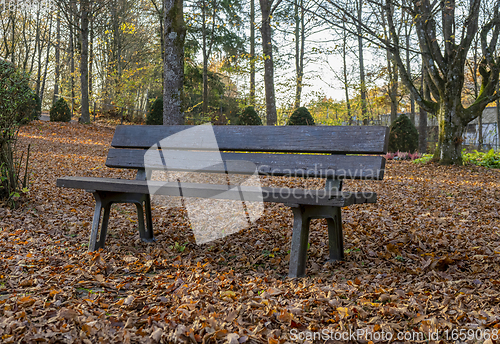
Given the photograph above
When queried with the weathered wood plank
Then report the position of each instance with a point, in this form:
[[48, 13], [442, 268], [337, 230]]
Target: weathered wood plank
[[298, 139], [295, 165], [264, 194]]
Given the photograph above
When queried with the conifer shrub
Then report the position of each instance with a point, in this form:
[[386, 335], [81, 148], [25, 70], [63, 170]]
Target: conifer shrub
[[31, 110], [60, 111], [155, 113], [249, 117], [403, 136], [301, 116]]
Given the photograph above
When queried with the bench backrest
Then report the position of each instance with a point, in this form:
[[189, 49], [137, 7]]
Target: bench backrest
[[264, 146]]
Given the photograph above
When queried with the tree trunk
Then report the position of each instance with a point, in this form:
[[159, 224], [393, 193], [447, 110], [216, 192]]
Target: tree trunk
[[57, 56], [72, 66], [252, 52], [267, 49], [174, 36], [449, 148], [408, 68], [345, 75], [364, 116], [299, 49], [422, 124], [91, 53], [47, 57], [498, 118], [84, 60]]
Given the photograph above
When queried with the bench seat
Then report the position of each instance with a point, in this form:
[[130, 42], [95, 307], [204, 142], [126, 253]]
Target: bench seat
[[333, 153]]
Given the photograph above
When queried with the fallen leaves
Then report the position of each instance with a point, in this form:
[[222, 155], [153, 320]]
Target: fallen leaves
[[425, 257]]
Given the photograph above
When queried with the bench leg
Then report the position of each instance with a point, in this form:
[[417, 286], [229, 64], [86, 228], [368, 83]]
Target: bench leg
[[146, 234], [103, 200], [100, 203], [95, 223], [300, 241], [104, 226], [302, 216], [335, 235], [149, 218]]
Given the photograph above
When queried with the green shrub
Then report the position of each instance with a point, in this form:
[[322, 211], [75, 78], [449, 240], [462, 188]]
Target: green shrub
[[16, 104], [249, 117], [155, 113], [31, 110], [403, 136], [301, 116], [60, 111], [426, 158], [490, 159]]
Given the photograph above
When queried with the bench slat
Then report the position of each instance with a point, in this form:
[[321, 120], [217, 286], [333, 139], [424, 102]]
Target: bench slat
[[297, 139], [264, 194], [295, 165]]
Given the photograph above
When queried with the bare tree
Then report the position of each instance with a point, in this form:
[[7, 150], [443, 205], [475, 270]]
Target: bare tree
[[444, 49]]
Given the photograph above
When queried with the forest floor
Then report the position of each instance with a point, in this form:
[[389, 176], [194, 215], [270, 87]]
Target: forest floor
[[422, 264]]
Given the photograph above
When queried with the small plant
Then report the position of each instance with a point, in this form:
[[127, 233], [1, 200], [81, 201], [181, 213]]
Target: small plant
[[389, 156], [60, 111], [249, 117], [155, 113], [424, 159], [178, 247], [490, 159], [403, 136], [402, 156], [301, 116]]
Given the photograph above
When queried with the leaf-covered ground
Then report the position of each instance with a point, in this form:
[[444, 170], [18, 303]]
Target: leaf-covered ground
[[425, 258]]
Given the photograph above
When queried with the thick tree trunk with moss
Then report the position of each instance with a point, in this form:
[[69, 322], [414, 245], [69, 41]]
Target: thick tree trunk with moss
[[451, 129], [173, 72]]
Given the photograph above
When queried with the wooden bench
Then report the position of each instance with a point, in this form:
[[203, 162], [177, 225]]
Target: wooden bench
[[334, 153]]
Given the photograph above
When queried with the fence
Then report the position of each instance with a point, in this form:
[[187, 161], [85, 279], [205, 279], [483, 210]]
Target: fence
[[490, 135]]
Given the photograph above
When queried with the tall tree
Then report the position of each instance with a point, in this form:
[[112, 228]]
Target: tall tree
[[84, 59], [267, 8], [299, 48], [252, 52], [57, 66], [173, 61], [361, 61], [422, 124]]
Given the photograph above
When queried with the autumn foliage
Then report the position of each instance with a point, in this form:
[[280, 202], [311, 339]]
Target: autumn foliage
[[424, 258]]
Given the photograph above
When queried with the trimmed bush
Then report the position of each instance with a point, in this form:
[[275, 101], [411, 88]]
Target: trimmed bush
[[403, 136], [249, 117], [60, 111], [301, 116], [155, 113], [31, 110]]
